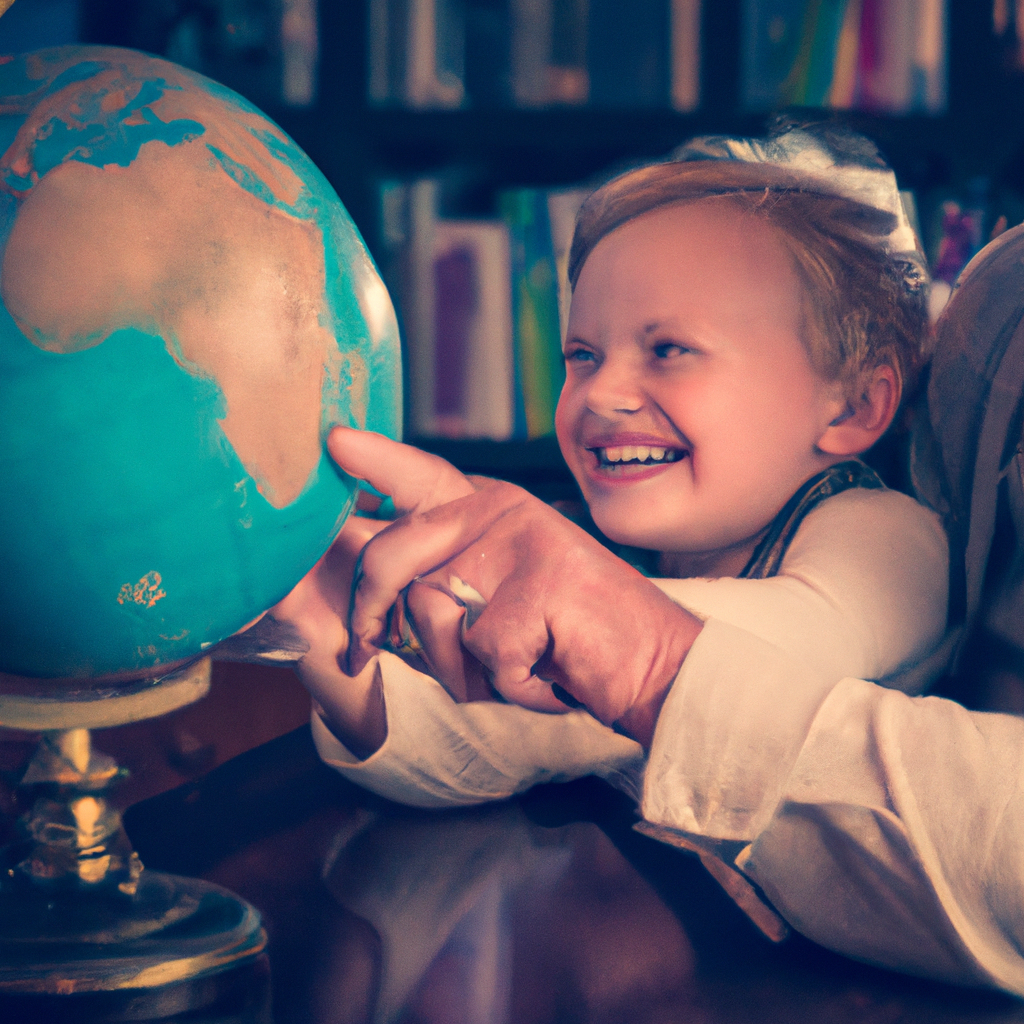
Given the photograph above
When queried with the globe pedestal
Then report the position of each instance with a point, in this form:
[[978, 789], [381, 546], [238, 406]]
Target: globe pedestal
[[79, 914]]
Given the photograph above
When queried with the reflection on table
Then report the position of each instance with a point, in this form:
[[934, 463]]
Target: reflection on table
[[545, 909]]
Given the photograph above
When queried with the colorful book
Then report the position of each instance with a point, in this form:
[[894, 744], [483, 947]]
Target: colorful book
[[886, 55], [538, 352]]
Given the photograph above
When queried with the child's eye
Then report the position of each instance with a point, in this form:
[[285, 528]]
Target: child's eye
[[668, 349], [578, 355]]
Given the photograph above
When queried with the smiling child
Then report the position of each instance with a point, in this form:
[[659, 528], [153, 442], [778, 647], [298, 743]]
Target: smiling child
[[742, 328]]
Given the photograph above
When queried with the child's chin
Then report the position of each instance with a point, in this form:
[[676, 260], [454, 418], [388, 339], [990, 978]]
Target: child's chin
[[628, 534]]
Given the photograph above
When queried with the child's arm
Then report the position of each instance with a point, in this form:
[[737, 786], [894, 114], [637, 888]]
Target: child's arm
[[316, 611], [861, 592]]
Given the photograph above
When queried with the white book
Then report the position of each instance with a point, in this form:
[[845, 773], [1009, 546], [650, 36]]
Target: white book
[[473, 371], [930, 53], [531, 52]]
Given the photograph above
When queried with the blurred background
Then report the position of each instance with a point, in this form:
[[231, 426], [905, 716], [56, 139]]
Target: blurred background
[[462, 134]]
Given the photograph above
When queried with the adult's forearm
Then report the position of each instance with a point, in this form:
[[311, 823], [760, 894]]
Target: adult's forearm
[[889, 828], [899, 838]]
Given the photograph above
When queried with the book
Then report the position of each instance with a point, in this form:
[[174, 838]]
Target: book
[[300, 52], [567, 73], [473, 358], [537, 331], [483, 307], [387, 21], [885, 55], [530, 51], [685, 58], [563, 205], [416, 53], [408, 215]]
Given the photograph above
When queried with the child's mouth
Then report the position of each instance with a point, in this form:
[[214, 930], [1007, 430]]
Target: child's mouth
[[623, 456]]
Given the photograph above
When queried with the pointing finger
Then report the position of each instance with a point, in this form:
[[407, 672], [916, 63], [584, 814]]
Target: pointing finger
[[415, 480]]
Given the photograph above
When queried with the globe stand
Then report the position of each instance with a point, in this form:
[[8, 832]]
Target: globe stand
[[79, 914]]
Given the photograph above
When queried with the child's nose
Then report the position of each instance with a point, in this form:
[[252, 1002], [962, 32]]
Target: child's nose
[[614, 390]]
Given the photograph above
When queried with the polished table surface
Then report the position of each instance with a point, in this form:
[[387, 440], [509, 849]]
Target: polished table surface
[[549, 908]]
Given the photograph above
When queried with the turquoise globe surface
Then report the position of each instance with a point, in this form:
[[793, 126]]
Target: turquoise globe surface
[[186, 311]]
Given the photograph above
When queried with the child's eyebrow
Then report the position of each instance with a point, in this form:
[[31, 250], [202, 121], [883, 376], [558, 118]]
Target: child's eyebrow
[[669, 323]]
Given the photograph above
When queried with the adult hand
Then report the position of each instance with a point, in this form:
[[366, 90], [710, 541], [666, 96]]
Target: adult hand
[[560, 608]]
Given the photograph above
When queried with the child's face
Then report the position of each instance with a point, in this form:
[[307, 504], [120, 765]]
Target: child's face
[[691, 412]]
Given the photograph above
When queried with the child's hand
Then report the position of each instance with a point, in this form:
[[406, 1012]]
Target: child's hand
[[560, 607], [434, 619], [317, 611]]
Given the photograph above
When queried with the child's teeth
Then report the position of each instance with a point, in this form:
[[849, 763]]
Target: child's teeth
[[638, 453]]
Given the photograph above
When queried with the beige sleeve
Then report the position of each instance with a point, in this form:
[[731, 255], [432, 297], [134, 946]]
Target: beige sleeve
[[861, 592], [439, 753], [889, 828]]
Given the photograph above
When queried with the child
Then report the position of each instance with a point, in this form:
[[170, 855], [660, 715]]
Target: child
[[742, 328]]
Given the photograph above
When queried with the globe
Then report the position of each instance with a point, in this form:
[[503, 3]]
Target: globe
[[186, 309]]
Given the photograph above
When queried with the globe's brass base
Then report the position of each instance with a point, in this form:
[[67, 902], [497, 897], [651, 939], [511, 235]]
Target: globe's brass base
[[170, 931], [240, 995]]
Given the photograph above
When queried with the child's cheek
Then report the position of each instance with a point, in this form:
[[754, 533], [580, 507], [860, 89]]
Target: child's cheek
[[563, 425]]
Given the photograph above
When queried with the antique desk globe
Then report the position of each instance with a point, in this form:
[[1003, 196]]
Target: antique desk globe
[[186, 311]]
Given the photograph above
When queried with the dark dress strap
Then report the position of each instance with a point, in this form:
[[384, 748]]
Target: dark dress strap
[[771, 549]]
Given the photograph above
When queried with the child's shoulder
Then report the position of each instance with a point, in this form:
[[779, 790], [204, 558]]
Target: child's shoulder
[[861, 522], [878, 554], [861, 590]]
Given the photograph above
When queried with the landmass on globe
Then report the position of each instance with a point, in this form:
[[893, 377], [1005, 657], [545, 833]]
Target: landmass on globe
[[187, 309]]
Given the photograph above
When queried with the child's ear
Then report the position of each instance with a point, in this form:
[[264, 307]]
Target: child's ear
[[867, 417]]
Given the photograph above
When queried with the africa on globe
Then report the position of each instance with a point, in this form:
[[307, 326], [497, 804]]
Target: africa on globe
[[185, 310]]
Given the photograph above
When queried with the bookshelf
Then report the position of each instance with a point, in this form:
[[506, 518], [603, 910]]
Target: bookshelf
[[980, 135]]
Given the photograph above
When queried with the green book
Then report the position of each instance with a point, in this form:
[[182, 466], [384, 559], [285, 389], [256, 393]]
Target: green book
[[538, 343]]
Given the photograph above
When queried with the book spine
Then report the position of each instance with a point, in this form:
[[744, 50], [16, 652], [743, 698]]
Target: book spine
[[456, 303], [535, 307], [378, 87], [686, 35], [432, 76], [490, 381], [563, 205], [420, 315], [531, 52]]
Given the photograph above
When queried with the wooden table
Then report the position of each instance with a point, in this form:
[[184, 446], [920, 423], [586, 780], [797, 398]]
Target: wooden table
[[549, 908]]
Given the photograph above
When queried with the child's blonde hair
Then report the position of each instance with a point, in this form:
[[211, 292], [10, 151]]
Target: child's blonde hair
[[861, 313]]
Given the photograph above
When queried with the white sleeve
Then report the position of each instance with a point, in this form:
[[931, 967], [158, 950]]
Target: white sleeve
[[886, 827], [906, 818], [861, 592], [439, 753]]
